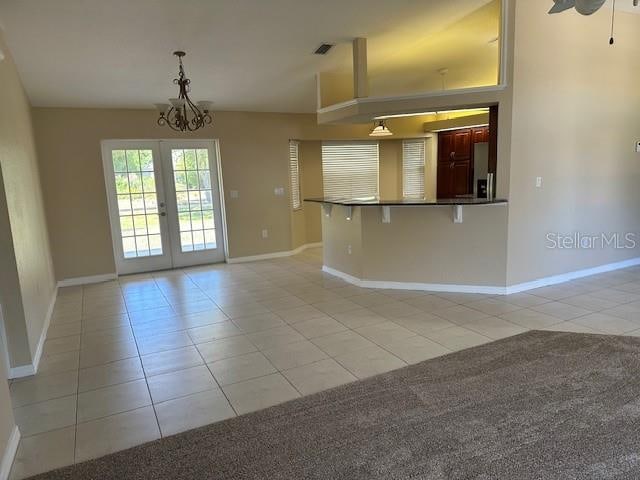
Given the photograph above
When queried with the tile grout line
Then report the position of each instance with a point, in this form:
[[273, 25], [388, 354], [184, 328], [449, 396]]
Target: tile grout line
[[144, 371], [306, 273], [75, 427]]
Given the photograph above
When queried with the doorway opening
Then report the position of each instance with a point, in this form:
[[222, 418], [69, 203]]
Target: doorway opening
[[467, 157], [165, 206]]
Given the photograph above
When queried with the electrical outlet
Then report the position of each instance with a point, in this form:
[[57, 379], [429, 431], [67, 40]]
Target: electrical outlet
[[279, 191], [234, 193], [349, 250], [538, 182], [265, 233]]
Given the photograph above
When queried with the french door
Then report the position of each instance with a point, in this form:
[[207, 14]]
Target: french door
[[164, 203]]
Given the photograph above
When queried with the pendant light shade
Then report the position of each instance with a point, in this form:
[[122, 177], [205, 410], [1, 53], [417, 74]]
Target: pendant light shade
[[380, 130]]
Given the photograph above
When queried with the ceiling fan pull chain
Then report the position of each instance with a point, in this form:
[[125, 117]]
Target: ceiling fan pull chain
[[613, 19]]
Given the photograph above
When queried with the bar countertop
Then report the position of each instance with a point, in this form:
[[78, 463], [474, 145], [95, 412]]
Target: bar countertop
[[406, 202]]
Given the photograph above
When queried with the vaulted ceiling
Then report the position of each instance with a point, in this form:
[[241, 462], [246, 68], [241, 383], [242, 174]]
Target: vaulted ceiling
[[253, 55]]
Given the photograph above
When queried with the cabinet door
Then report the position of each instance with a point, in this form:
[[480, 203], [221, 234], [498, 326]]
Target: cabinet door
[[481, 135], [460, 178], [445, 146], [444, 179], [462, 144]]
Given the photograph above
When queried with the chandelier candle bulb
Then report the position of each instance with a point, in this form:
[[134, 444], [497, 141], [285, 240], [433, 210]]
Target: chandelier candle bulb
[[204, 105], [162, 107], [183, 115]]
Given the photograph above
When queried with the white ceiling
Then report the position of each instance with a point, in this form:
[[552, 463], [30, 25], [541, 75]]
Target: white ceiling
[[253, 55]]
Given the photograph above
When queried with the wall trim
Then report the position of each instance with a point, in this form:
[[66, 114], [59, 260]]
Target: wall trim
[[72, 282], [432, 287], [565, 277], [484, 289], [32, 368], [269, 256], [10, 453]]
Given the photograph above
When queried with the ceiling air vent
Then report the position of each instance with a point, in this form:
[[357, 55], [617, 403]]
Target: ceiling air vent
[[323, 49]]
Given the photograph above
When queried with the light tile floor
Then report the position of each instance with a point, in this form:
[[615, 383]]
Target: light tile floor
[[151, 355]]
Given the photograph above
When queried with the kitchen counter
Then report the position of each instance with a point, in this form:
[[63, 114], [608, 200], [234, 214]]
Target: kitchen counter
[[411, 202], [416, 244]]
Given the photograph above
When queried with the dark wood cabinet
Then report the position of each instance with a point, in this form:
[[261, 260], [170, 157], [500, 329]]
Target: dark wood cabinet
[[461, 145], [480, 135], [455, 160]]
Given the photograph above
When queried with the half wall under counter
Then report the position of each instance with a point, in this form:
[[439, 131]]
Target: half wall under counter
[[446, 245]]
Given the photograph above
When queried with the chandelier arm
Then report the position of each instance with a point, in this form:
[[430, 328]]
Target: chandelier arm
[[196, 111], [174, 128]]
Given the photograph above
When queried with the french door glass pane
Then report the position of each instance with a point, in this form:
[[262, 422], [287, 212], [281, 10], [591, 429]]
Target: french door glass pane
[[192, 180], [137, 203]]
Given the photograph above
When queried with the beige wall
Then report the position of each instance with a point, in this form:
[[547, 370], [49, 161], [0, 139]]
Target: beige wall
[[7, 422], [254, 153], [312, 187], [27, 282], [305, 222], [575, 123], [390, 169], [338, 234]]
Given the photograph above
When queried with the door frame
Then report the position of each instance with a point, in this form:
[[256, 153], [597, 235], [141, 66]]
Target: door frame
[[113, 207], [195, 257]]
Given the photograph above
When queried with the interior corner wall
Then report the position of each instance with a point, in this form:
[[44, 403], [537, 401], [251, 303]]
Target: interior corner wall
[[312, 187], [27, 278], [7, 421], [575, 124]]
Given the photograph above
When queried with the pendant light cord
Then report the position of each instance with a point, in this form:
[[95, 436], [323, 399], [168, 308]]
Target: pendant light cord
[[613, 19]]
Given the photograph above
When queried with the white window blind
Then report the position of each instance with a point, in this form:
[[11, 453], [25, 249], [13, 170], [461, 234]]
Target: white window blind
[[413, 168], [294, 175], [350, 169]]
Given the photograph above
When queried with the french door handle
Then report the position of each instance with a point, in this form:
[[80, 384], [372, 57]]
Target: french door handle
[[162, 204], [163, 214]]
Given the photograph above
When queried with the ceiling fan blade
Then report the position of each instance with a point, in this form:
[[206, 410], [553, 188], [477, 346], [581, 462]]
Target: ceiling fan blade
[[588, 7], [562, 5]]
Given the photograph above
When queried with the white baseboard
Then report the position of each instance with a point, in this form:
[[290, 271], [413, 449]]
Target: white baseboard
[[269, 256], [431, 287], [566, 277], [32, 368], [72, 282], [9, 453], [485, 289]]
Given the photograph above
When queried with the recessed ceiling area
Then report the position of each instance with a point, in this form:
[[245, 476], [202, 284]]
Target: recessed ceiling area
[[251, 55], [458, 54]]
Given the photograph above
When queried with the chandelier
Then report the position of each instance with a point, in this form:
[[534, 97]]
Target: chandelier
[[182, 114]]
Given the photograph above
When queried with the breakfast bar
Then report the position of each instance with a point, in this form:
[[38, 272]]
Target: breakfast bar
[[452, 245]]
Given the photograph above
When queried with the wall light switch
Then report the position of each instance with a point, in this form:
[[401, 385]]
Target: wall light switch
[[538, 182], [234, 193], [265, 233]]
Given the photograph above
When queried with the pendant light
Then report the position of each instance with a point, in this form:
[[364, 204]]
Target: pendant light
[[380, 130]]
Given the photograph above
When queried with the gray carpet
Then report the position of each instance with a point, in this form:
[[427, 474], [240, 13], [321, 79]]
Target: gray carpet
[[540, 405]]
